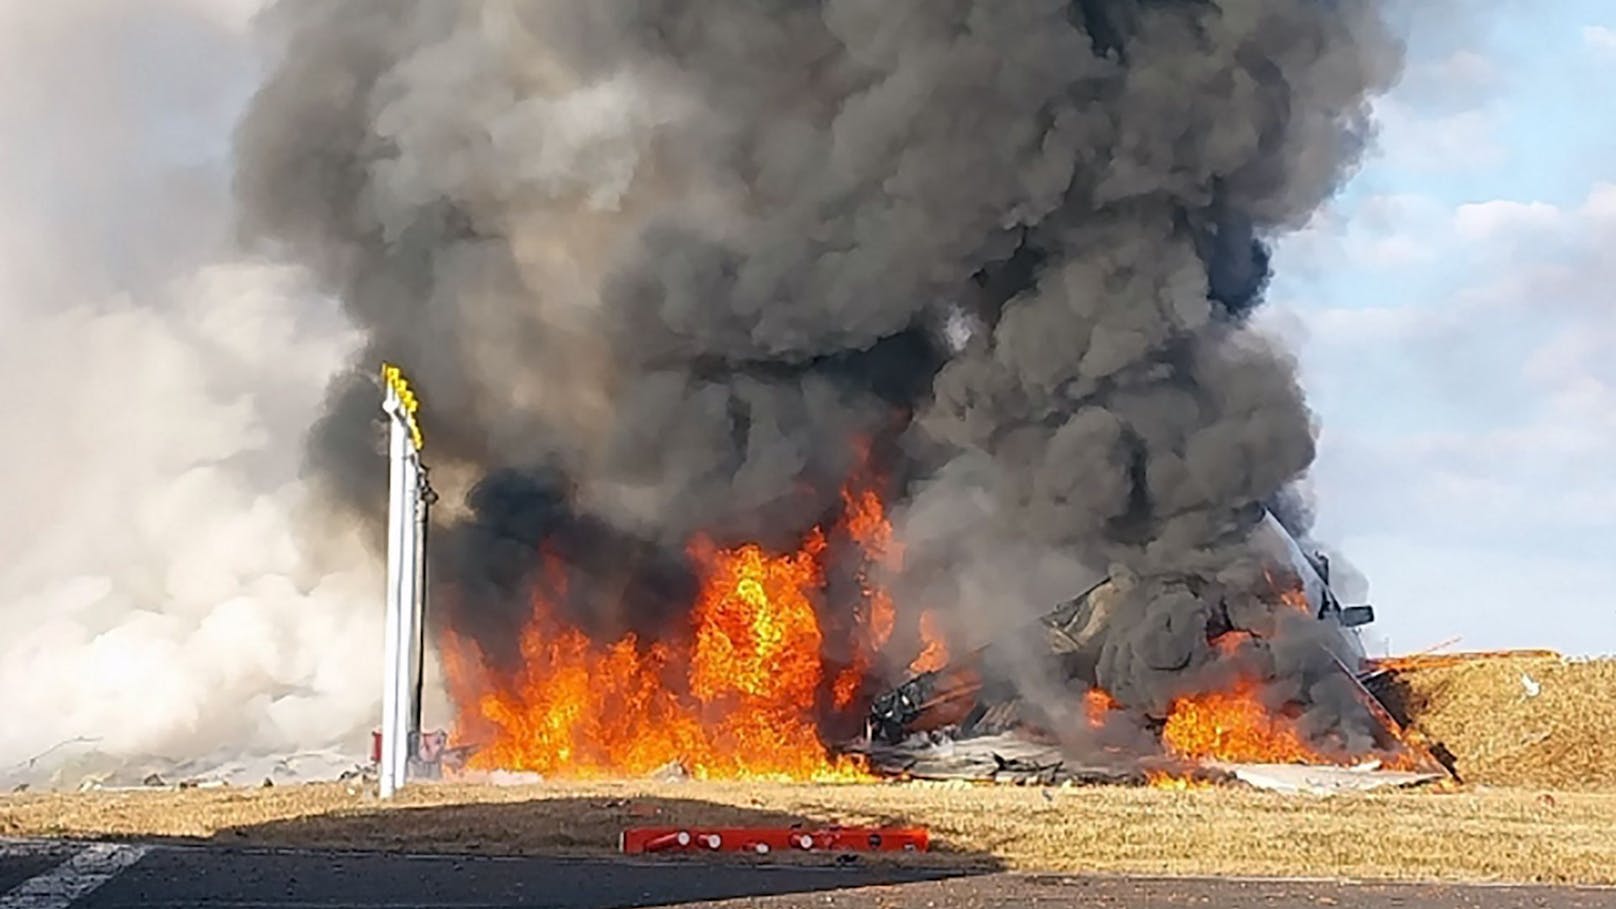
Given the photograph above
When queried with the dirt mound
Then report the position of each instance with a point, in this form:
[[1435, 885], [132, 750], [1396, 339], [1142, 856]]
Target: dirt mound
[[1527, 721]]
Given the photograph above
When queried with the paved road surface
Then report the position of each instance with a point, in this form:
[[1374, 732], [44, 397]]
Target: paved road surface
[[103, 876]]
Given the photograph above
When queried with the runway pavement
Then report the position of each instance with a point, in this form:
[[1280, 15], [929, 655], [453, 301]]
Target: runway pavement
[[54, 875]]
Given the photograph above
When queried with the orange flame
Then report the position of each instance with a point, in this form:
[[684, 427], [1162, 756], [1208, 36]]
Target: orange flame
[[736, 699], [1289, 591], [581, 709], [1234, 725], [579, 706], [756, 633], [864, 517], [1229, 643], [934, 647], [1159, 779], [846, 686], [1097, 706]]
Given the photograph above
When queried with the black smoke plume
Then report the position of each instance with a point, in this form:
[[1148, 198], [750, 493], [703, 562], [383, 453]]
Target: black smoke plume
[[658, 266]]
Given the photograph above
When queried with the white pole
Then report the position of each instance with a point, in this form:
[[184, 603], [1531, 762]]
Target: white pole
[[397, 519], [407, 575]]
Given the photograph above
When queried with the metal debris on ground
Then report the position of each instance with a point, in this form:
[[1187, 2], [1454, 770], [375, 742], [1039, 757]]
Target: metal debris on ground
[[1294, 779], [1008, 757], [671, 772]]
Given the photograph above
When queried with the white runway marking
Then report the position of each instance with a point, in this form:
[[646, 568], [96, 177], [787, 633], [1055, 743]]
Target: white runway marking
[[88, 869], [25, 848]]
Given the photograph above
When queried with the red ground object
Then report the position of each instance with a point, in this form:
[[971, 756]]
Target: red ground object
[[763, 840]]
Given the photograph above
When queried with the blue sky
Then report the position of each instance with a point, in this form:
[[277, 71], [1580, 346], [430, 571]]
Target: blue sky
[[1452, 311]]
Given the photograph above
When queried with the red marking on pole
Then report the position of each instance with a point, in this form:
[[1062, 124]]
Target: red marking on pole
[[762, 840]]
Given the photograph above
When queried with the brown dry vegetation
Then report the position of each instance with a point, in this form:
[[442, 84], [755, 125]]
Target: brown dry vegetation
[[1481, 835], [1560, 740], [1564, 738]]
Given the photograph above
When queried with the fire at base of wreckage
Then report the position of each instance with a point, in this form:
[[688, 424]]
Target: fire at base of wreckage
[[751, 692], [764, 682]]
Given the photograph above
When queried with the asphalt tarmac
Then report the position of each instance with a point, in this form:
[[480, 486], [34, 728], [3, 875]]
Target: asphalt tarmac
[[55, 875]]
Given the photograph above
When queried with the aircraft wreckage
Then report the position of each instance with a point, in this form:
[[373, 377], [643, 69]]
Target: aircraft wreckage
[[1001, 713]]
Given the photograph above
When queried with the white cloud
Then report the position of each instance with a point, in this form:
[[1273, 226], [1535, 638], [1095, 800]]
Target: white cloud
[[1500, 259], [1463, 79], [1529, 341], [1381, 231], [1353, 327], [1464, 140], [1601, 205], [1464, 68], [1489, 220], [1544, 263], [1601, 39], [1468, 403]]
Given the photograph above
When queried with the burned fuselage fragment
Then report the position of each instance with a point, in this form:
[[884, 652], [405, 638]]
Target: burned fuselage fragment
[[1279, 618]]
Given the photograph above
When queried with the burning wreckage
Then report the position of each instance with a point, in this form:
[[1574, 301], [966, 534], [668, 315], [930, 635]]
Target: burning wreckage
[[1261, 666], [699, 292], [998, 712]]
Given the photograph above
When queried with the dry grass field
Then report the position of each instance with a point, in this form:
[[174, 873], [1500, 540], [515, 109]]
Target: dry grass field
[[1539, 804], [1476, 835]]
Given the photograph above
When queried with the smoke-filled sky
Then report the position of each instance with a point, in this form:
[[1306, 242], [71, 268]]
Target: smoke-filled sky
[[157, 588]]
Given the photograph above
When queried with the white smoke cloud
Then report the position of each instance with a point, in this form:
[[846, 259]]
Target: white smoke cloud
[[158, 593]]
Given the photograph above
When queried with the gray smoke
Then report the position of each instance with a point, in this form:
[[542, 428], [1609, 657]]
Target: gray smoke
[[657, 265]]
